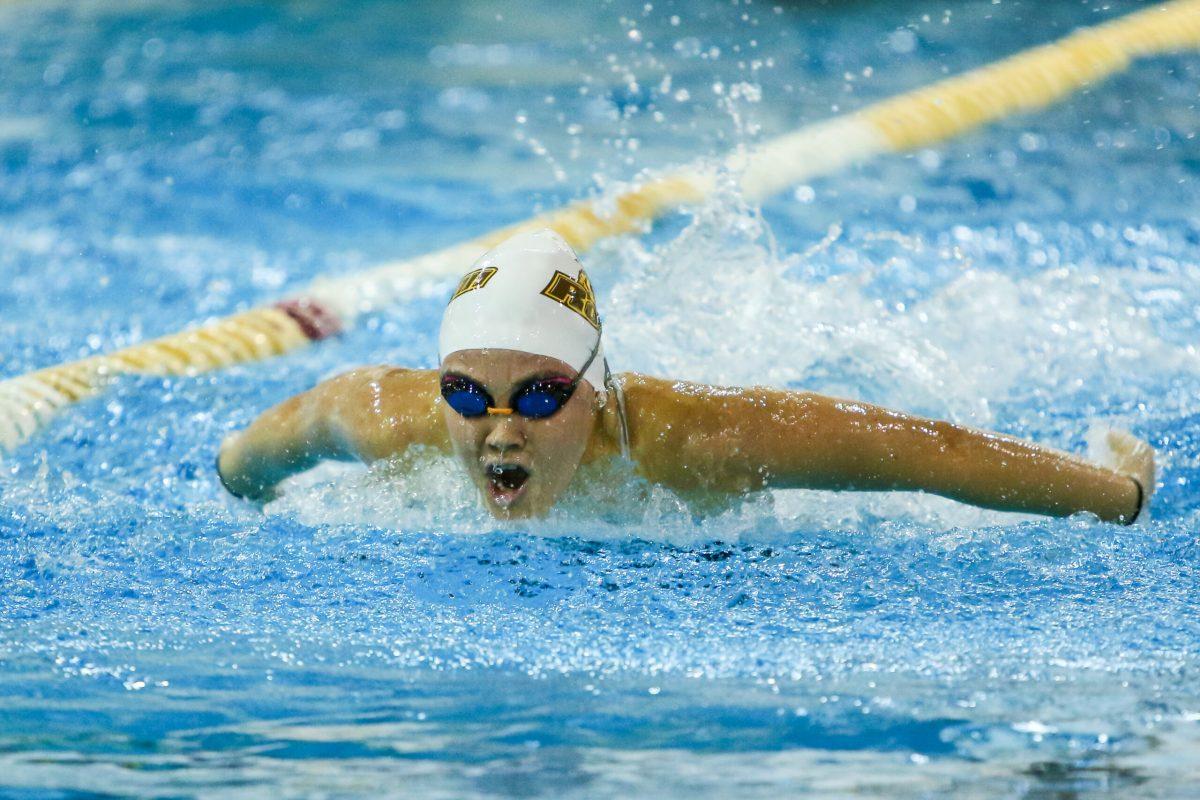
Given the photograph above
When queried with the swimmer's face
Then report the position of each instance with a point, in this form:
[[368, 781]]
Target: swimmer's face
[[521, 466]]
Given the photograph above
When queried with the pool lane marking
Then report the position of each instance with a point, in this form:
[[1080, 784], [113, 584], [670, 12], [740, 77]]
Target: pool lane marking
[[1032, 79], [1023, 82], [1026, 81], [27, 402]]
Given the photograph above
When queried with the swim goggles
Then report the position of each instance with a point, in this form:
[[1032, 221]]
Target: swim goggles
[[535, 399]]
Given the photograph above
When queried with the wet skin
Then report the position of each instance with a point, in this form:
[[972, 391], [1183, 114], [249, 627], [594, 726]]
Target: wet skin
[[695, 439], [543, 454]]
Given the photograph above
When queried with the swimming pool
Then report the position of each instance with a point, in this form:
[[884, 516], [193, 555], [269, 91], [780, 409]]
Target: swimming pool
[[375, 634]]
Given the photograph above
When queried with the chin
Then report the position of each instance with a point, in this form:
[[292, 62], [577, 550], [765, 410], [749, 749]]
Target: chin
[[505, 509], [523, 507], [519, 511]]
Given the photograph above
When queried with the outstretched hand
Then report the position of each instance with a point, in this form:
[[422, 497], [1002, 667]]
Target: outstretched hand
[[1123, 452]]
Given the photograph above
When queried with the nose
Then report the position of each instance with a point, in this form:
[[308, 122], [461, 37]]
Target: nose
[[506, 435]]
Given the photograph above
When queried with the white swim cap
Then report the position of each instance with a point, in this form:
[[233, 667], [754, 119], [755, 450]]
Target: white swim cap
[[529, 293]]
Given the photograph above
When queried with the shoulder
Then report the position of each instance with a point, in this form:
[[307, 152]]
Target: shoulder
[[384, 409], [679, 426], [381, 388], [672, 426], [381, 373], [646, 395], [662, 413]]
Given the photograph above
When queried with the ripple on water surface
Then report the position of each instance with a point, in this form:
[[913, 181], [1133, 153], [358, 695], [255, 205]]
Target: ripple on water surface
[[373, 629]]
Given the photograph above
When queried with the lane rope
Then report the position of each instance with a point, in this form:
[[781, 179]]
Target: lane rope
[[1029, 80]]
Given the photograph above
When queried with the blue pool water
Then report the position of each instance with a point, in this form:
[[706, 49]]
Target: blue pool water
[[372, 633]]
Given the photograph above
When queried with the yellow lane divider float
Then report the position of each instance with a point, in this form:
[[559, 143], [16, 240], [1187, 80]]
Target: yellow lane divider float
[[1028, 80]]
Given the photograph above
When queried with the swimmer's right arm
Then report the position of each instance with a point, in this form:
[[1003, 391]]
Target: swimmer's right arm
[[365, 415]]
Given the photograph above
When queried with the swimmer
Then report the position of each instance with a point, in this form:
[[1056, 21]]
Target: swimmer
[[524, 396]]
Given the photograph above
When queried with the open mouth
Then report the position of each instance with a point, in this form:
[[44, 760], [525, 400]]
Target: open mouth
[[506, 482]]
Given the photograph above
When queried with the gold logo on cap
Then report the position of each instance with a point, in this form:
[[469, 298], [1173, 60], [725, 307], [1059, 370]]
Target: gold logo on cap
[[574, 293], [475, 279]]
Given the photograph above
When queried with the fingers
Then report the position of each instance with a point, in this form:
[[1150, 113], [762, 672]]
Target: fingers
[[1133, 457]]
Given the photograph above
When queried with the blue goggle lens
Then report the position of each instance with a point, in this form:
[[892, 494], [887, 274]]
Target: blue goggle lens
[[538, 403], [466, 401]]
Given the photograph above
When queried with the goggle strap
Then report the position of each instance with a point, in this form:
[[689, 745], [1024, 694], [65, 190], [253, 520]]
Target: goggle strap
[[588, 363]]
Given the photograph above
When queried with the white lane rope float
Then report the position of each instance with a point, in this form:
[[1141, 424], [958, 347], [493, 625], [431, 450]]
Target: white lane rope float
[[1028, 80]]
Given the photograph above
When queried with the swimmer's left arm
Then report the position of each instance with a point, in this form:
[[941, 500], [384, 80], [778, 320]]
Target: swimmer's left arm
[[735, 440]]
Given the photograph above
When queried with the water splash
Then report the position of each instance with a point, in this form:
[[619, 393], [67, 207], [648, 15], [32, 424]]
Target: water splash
[[1040, 277]]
